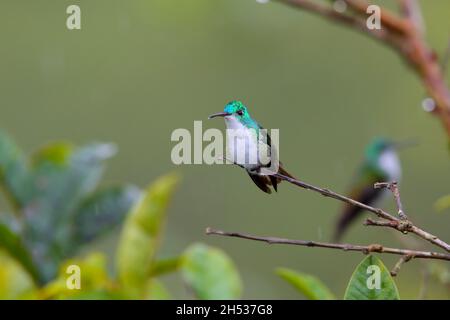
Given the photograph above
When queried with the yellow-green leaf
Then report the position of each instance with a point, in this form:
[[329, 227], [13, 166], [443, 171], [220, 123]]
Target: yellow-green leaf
[[210, 273], [371, 281], [11, 243], [140, 234], [165, 266], [57, 153], [15, 282], [310, 286], [93, 278]]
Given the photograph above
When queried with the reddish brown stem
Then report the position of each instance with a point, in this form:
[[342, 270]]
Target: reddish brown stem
[[404, 35]]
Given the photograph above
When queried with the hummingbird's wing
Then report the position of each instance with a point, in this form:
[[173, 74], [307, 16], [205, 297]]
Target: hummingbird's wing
[[265, 181], [363, 192], [265, 135]]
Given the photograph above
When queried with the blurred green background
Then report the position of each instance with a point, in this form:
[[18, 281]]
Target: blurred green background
[[139, 69]]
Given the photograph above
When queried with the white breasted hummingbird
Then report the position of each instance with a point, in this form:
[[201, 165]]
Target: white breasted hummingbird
[[381, 164], [250, 146]]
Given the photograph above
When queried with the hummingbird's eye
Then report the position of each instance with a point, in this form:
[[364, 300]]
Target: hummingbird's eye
[[240, 112]]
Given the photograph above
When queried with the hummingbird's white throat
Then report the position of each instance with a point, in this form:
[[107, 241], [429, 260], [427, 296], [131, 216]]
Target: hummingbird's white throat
[[246, 146], [390, 164]]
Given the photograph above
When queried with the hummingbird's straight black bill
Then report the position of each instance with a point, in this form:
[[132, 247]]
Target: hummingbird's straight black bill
[[219, 114]]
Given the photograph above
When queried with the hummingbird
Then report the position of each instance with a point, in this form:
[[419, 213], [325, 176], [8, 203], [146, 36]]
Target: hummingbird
[[250, 146], [381, 164]]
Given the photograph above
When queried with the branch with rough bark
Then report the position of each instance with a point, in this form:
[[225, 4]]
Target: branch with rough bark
[[393, 187], [404, 33], [402, 224], [378, 248]]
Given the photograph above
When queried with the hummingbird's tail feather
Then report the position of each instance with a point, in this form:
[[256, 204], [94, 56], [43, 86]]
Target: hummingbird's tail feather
[[263, 182], [350, 213], [274, 181]]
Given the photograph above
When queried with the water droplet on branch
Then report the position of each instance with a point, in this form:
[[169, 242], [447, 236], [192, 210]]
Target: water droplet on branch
[[428, 104]]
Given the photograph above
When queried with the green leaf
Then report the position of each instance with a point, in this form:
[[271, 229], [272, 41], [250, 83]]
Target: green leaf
[[210, 273], [102, 211], [371, 281], [310, 286], [442, 203], [61, 178], [13, 172], [93, 276], [15, 282], [140, 234], [57, 153], [165, 266], [93, 267], [12, 244]]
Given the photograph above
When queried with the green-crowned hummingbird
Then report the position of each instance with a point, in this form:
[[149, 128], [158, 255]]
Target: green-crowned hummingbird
[[250, 146], [381, 164]]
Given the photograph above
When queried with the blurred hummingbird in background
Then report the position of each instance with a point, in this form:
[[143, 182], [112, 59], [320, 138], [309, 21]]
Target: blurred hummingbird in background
[[381, 164], [247, 139]]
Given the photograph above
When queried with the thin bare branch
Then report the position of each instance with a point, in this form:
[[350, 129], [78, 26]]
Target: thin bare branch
[[353, 22], [393, 187], [398, 224], [398, 265], [388, 19], [379, 223], [345, 247], [331, 194], [411, 10]]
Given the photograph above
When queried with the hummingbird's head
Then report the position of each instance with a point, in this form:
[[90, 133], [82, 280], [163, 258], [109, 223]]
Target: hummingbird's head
[[381, 156], [377, 147], [381, 145], [235, 109]]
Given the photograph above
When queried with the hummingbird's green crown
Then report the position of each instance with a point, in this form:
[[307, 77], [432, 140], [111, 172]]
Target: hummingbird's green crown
[[238, 109], [377, 147]]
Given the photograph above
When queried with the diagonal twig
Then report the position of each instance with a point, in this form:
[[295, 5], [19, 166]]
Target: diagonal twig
[[411, 10], [393, 187], [403, 259], [398, 224], [353, 22]]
